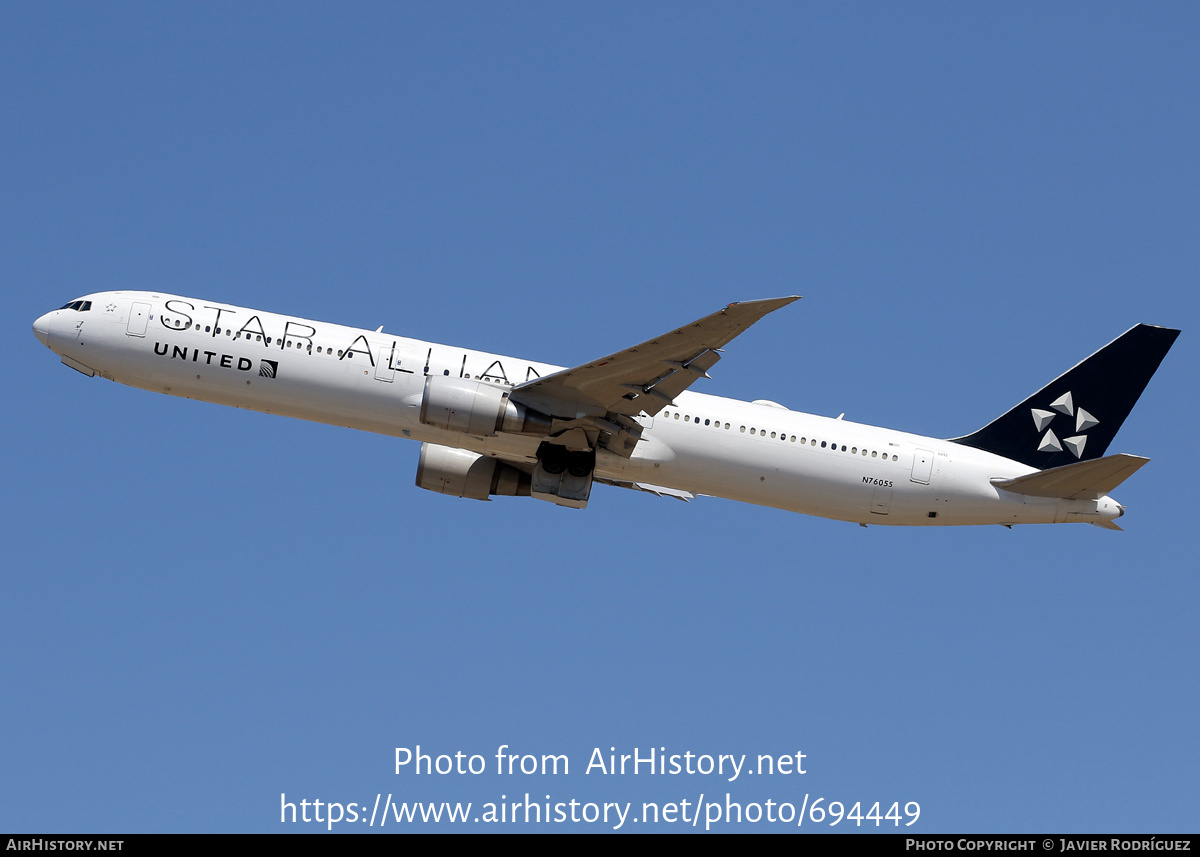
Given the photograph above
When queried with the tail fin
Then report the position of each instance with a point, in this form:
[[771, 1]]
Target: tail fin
[[1076, 416]]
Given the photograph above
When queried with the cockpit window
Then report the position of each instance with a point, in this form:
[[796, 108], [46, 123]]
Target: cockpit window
[[78, 306]]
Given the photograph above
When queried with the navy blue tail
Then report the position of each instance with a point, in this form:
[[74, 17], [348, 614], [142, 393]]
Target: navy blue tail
[[1076, 416]]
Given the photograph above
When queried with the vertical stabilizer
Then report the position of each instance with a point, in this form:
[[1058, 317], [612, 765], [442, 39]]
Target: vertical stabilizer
[[1076, 416]]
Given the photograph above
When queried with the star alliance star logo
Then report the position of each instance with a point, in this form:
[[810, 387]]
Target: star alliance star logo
[[1066, 406]]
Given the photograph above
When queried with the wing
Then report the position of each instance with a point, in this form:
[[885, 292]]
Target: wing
[[602, 397]]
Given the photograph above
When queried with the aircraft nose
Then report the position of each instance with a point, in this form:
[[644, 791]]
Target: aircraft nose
[[41, 328]]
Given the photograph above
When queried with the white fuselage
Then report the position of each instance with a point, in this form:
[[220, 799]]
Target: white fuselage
[[373, 381]]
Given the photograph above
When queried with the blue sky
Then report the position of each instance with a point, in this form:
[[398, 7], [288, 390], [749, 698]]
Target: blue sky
[[206, 608]]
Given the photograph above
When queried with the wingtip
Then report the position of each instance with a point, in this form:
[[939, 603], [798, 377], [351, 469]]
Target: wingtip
[[767, 304]]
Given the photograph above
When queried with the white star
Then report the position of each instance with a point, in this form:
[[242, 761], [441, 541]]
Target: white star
[[1063, 404], [1042, 418], [1050, 443], [1076, 444]]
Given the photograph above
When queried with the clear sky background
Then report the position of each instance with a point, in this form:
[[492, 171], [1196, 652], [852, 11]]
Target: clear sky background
[[204, 608]]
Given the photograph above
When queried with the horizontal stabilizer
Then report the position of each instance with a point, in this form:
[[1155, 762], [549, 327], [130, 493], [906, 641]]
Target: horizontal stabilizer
[[1107, 524], [1082, 479]]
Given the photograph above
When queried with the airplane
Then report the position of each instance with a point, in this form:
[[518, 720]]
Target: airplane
[[491, 425]]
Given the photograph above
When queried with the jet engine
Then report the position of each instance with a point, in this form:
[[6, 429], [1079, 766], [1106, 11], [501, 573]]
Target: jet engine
[[478, 408], [460, 473]]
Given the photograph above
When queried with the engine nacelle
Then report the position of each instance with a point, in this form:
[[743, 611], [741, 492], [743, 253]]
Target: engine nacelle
[[476, 407], [460, 473]]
